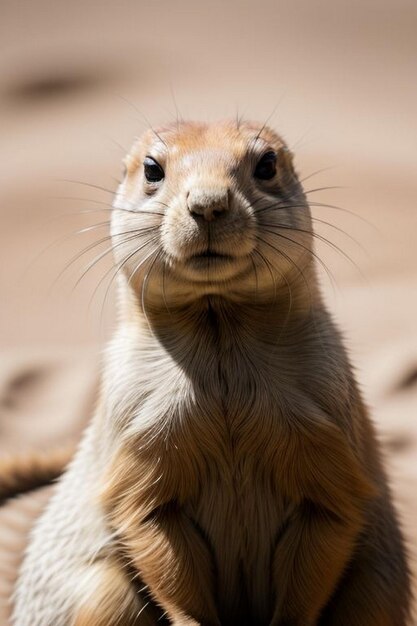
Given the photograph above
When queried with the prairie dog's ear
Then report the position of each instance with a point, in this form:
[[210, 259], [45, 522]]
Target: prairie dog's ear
[[285, 159], [285, 164]]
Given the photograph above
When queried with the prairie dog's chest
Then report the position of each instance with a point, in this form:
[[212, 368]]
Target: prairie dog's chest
[[211, 442], [238, 505], [241, 516]]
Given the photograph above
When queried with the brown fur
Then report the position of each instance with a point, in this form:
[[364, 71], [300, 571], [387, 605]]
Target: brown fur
[[239, 473]]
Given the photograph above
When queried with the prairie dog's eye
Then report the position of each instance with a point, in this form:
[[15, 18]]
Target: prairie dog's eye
[[266, 167], [153, 171]]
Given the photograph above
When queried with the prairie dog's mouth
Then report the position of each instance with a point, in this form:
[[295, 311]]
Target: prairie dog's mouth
[[209, 258], [208, 266], [210, 254]]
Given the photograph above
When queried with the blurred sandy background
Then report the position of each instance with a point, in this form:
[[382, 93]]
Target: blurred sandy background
[[79, 80]]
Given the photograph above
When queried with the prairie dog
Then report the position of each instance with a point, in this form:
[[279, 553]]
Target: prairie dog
[[230, 475]]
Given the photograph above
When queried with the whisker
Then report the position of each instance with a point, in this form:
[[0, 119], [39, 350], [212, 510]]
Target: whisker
[[317, 236], [144, 286], [145, 606], [99, 257], [112, 247], [337, 249], [238, 118], [66, 237], [119, 268], [179, 117], [110, 209], [299, 142], [162, 204], [343, 232], [338, 208], [120, 265], [163, 290], [144, 118], [301, 273], [85, 229], [109, 205], [320, 171], [268, 119], [278, 206], [323, 189], [290, 304], [319, 220], [253, 204], [289, 260], [122, 148], [311, 252], [256, 275], [80, 199], [268, 266], [75, 258], [85, 184]]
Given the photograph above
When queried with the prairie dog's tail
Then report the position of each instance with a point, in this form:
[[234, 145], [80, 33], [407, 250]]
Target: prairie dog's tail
[[21, 474]]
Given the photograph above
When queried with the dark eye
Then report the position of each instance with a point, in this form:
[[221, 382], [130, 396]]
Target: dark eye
[[266, 167], [153, 171]]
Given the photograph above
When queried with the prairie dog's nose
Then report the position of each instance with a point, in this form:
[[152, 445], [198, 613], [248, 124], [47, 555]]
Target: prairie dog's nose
[[208, 204]]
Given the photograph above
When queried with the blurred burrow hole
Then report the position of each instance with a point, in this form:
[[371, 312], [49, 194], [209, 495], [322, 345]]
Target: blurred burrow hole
[[408, 380], [399, 442], [53, 84]]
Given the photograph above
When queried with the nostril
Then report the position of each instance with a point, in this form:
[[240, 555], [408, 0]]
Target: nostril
[[196, 211], [208, 205]]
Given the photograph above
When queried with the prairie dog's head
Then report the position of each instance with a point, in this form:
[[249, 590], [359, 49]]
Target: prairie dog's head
[[210, 209]]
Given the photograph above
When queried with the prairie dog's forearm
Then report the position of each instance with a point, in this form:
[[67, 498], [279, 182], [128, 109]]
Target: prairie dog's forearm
[[160, 540], [308, 563]]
